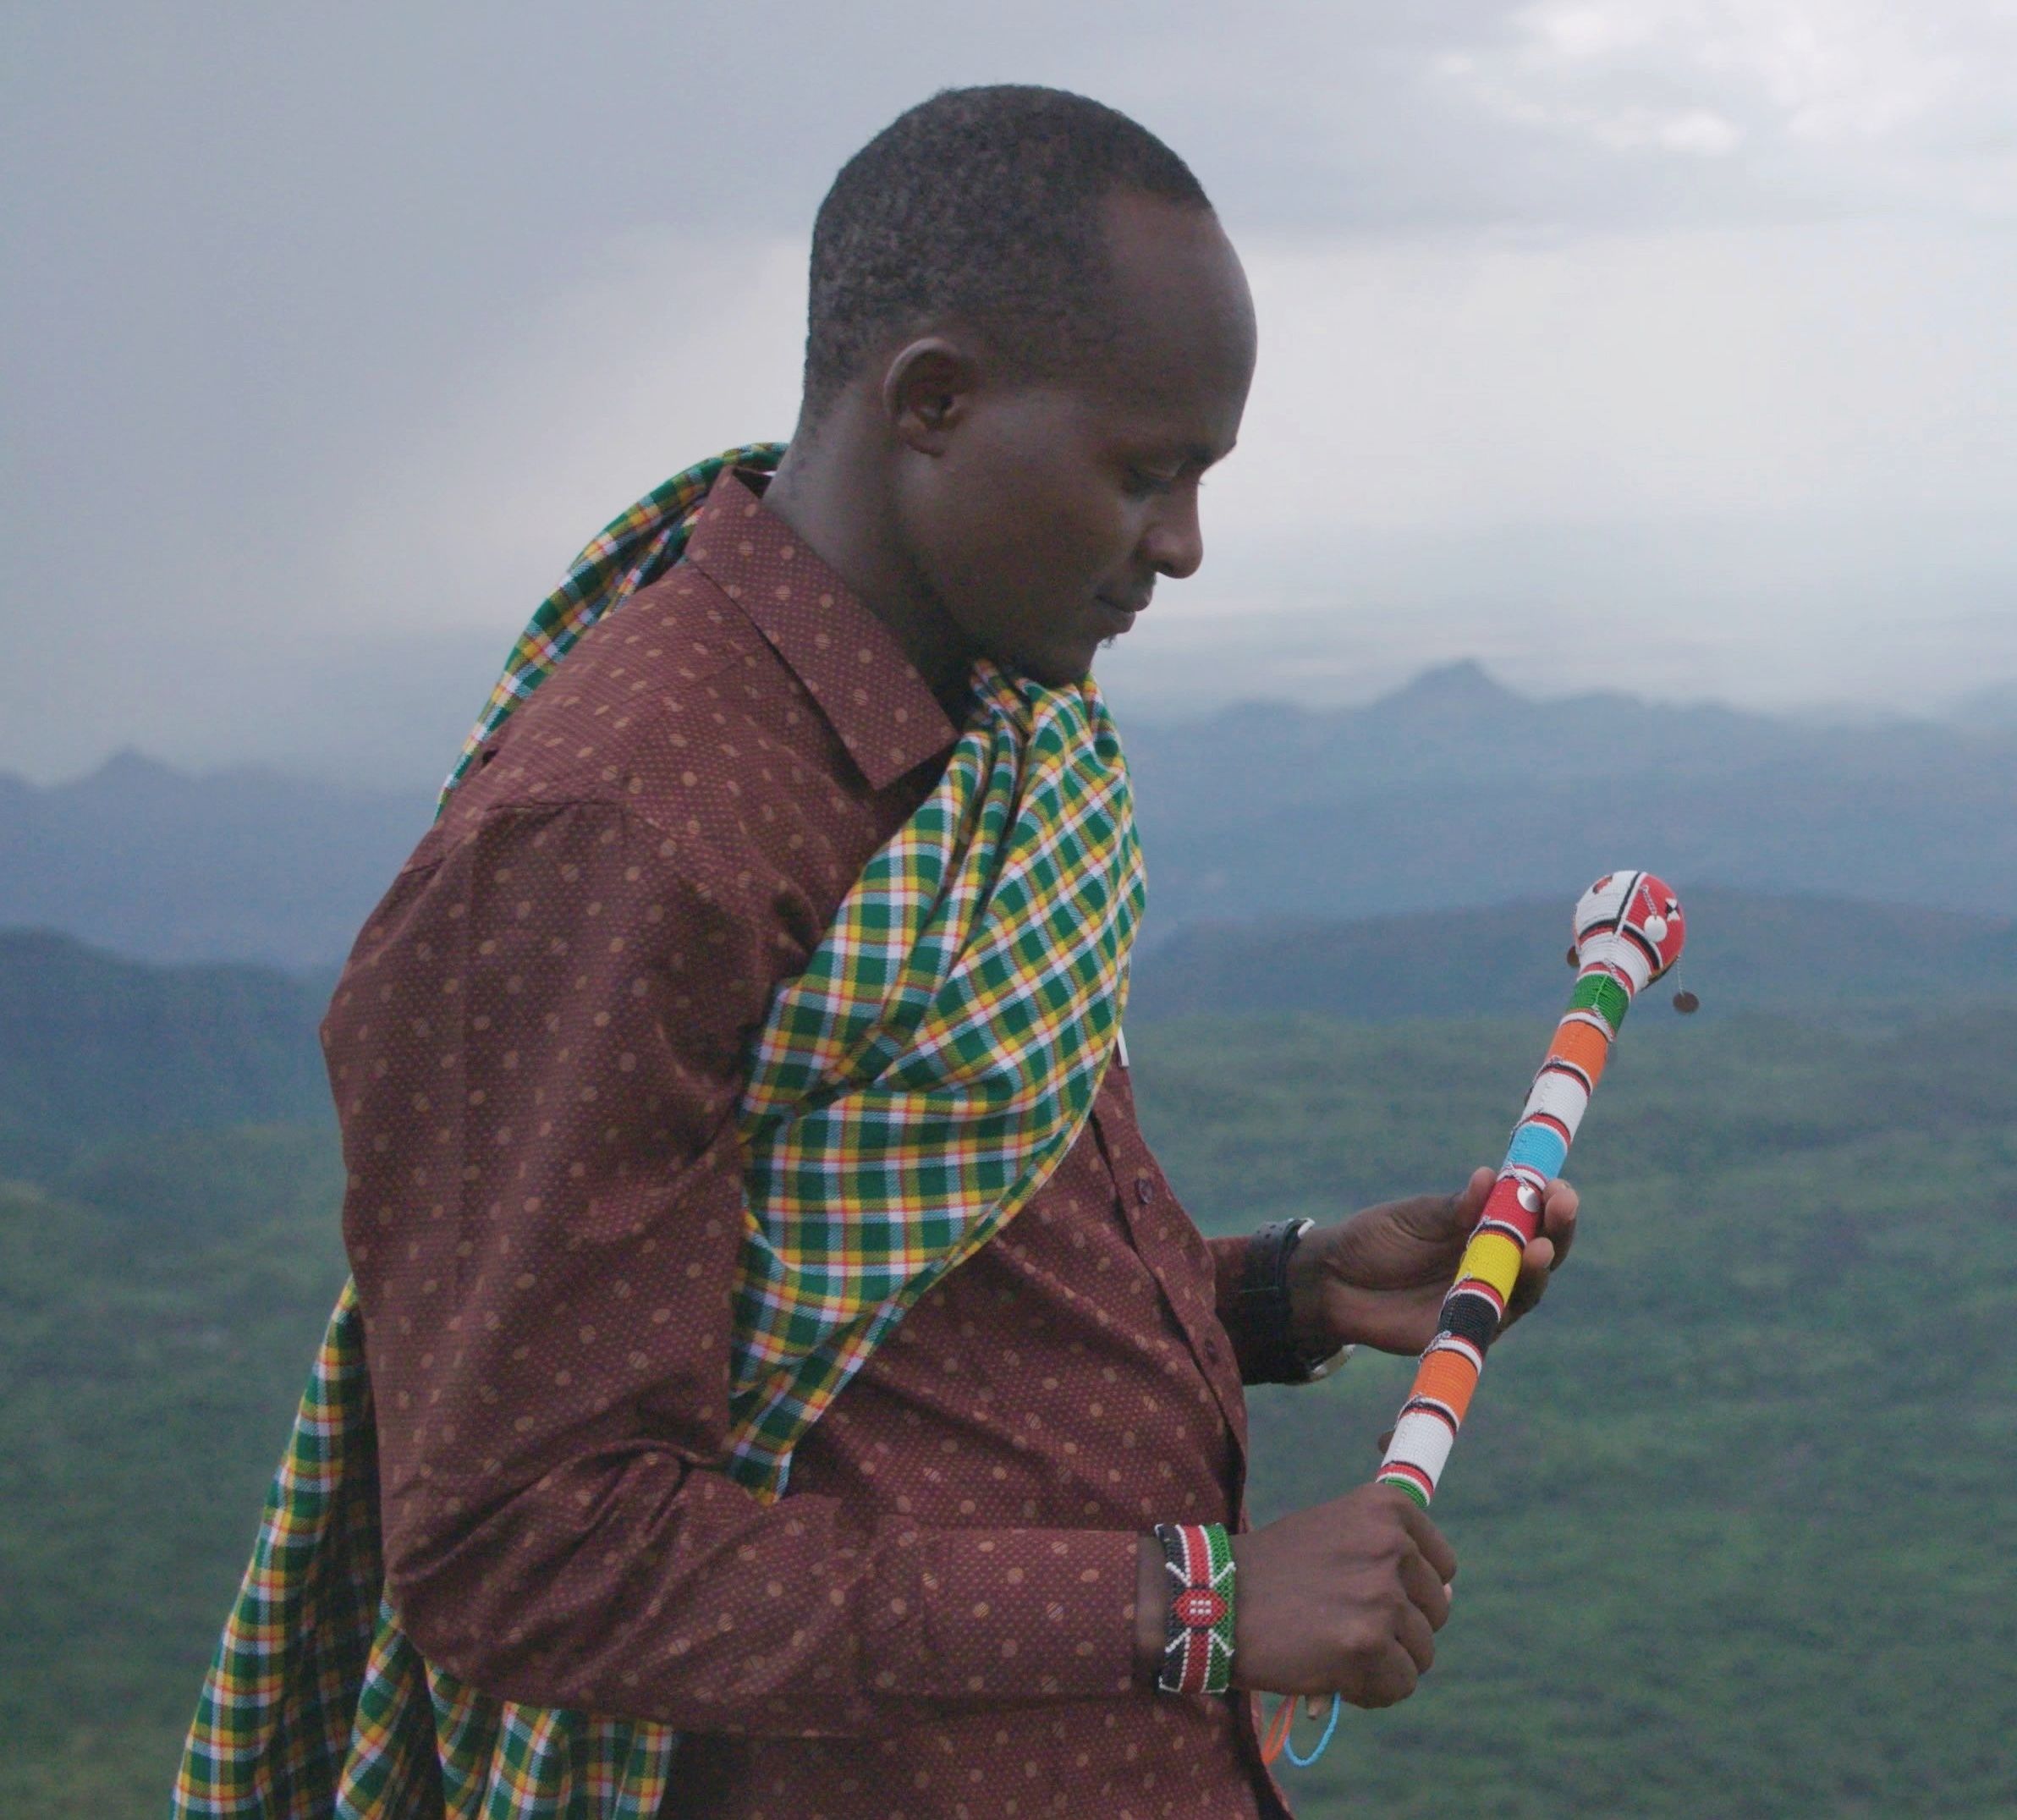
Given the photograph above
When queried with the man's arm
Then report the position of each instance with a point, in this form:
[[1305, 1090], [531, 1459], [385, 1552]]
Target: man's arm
[[537, 1055]]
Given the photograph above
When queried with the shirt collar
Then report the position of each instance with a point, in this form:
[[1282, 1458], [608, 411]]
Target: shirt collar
[[871, 694]]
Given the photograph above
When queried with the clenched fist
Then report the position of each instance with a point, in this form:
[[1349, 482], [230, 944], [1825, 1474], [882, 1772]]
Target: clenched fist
[[1344, 1598]]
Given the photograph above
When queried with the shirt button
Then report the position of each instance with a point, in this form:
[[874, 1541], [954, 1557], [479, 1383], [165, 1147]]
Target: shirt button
[[1212, 1352], [1143, 1192]]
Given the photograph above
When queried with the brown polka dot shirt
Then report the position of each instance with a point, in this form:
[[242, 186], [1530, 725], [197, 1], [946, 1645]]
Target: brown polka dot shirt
[[537, 1051]]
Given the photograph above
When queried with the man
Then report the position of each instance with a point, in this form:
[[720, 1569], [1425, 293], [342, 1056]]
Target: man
[[664, 1435]]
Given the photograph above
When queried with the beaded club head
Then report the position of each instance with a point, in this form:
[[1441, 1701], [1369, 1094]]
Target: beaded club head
[[1628, 931]]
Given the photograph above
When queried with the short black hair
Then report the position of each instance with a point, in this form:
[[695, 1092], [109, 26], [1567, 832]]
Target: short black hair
[[983, 205]]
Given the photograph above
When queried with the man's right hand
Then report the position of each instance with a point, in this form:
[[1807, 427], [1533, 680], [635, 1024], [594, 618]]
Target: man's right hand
[[1344, 1598]]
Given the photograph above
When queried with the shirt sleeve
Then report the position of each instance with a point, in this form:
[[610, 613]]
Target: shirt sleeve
[[537, 1055]]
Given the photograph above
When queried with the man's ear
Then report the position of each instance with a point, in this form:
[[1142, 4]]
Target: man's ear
[[927, 392]]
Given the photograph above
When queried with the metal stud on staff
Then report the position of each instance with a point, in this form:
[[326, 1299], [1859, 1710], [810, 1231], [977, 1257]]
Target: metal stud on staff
[[1628, 931]]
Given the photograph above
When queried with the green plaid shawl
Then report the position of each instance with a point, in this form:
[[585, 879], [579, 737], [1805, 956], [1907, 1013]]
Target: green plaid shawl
[[912, 1087], [908, 1094]]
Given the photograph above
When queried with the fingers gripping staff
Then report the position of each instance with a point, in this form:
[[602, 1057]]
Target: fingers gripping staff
[[1629, 930]]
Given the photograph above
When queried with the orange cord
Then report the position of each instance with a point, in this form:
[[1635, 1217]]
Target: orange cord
[[1277, 1738]]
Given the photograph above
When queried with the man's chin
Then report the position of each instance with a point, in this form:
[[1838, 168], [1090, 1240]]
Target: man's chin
[[1058, 669]]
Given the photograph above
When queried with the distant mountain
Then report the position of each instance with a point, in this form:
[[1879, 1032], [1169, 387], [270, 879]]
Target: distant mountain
[[94, 1048], [1745, 952], [240, 866], [1457, 792], [1993, 709], [1452, 793]]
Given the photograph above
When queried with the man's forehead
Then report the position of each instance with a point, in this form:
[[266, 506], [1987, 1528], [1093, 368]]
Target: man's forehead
[[1152, 244], [1178, 295], [1182, 394]]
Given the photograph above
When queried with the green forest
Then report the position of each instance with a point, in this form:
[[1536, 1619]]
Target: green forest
[[1729, 1511]]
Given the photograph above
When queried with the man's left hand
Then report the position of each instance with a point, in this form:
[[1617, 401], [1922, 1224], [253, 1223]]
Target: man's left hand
[[1378, 1279]]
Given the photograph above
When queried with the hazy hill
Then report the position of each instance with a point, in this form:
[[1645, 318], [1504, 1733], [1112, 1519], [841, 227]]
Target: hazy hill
[[1745, 952], [1451, 793], [93, 1047], [239, 865], [1731, 1510]]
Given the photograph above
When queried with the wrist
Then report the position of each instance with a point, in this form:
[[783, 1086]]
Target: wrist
[[1318, 1341], [1151, 1609], [1303, 1287]]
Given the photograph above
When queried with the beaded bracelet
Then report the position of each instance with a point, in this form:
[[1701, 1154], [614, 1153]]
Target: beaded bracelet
[[1197, 1656]]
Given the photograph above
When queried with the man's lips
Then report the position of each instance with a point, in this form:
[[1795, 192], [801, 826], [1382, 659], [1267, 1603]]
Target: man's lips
[[1118, 617]]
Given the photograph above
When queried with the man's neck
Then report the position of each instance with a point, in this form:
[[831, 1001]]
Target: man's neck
[[833, 493]]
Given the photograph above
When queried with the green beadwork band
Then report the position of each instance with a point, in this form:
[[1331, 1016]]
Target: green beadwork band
[[1197, 1652]]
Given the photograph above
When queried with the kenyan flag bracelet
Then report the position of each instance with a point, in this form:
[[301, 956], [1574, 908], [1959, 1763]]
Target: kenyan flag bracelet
[[1197, 1656]]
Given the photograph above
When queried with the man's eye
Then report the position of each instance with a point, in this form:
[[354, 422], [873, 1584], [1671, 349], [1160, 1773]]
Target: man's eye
[[1143, 481]]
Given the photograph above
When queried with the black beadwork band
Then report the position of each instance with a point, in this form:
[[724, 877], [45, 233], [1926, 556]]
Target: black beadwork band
[[1270, 1355]]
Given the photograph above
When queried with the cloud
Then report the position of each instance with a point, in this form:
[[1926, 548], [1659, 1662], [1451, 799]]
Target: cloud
[[1850, 104], [671, 347], [1464, 380], [329, 335], [357, 623]]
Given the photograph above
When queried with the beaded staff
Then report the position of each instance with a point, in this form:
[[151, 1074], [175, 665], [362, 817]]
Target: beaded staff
[[1628, 931]]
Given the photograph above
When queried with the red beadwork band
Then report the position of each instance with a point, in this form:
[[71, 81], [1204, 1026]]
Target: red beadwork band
[[1197, 1654]]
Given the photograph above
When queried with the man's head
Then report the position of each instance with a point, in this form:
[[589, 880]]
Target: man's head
[[1025, 317]]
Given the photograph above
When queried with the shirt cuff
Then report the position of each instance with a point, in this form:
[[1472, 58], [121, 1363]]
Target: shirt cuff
[[1016, 1614]]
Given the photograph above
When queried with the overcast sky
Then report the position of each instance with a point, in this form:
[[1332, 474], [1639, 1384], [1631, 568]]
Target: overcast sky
[[1662, 343]]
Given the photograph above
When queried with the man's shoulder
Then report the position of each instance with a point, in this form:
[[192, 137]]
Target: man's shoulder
[[635, 668], [674, 739], [639, 687]]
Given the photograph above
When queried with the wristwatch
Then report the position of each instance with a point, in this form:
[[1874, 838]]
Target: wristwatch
[[1265, 1314]]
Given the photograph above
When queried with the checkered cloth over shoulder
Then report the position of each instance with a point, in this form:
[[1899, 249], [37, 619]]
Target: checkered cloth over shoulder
[[631, 551], [908, 1095]]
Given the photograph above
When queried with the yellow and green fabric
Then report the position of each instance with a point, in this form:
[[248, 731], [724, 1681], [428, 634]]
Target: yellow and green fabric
[[908, 1094]]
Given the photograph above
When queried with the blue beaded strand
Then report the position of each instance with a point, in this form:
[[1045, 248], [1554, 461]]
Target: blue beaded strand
[[1323, 1743]]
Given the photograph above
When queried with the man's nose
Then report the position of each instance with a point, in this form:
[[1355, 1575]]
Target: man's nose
[[1176, 541]]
